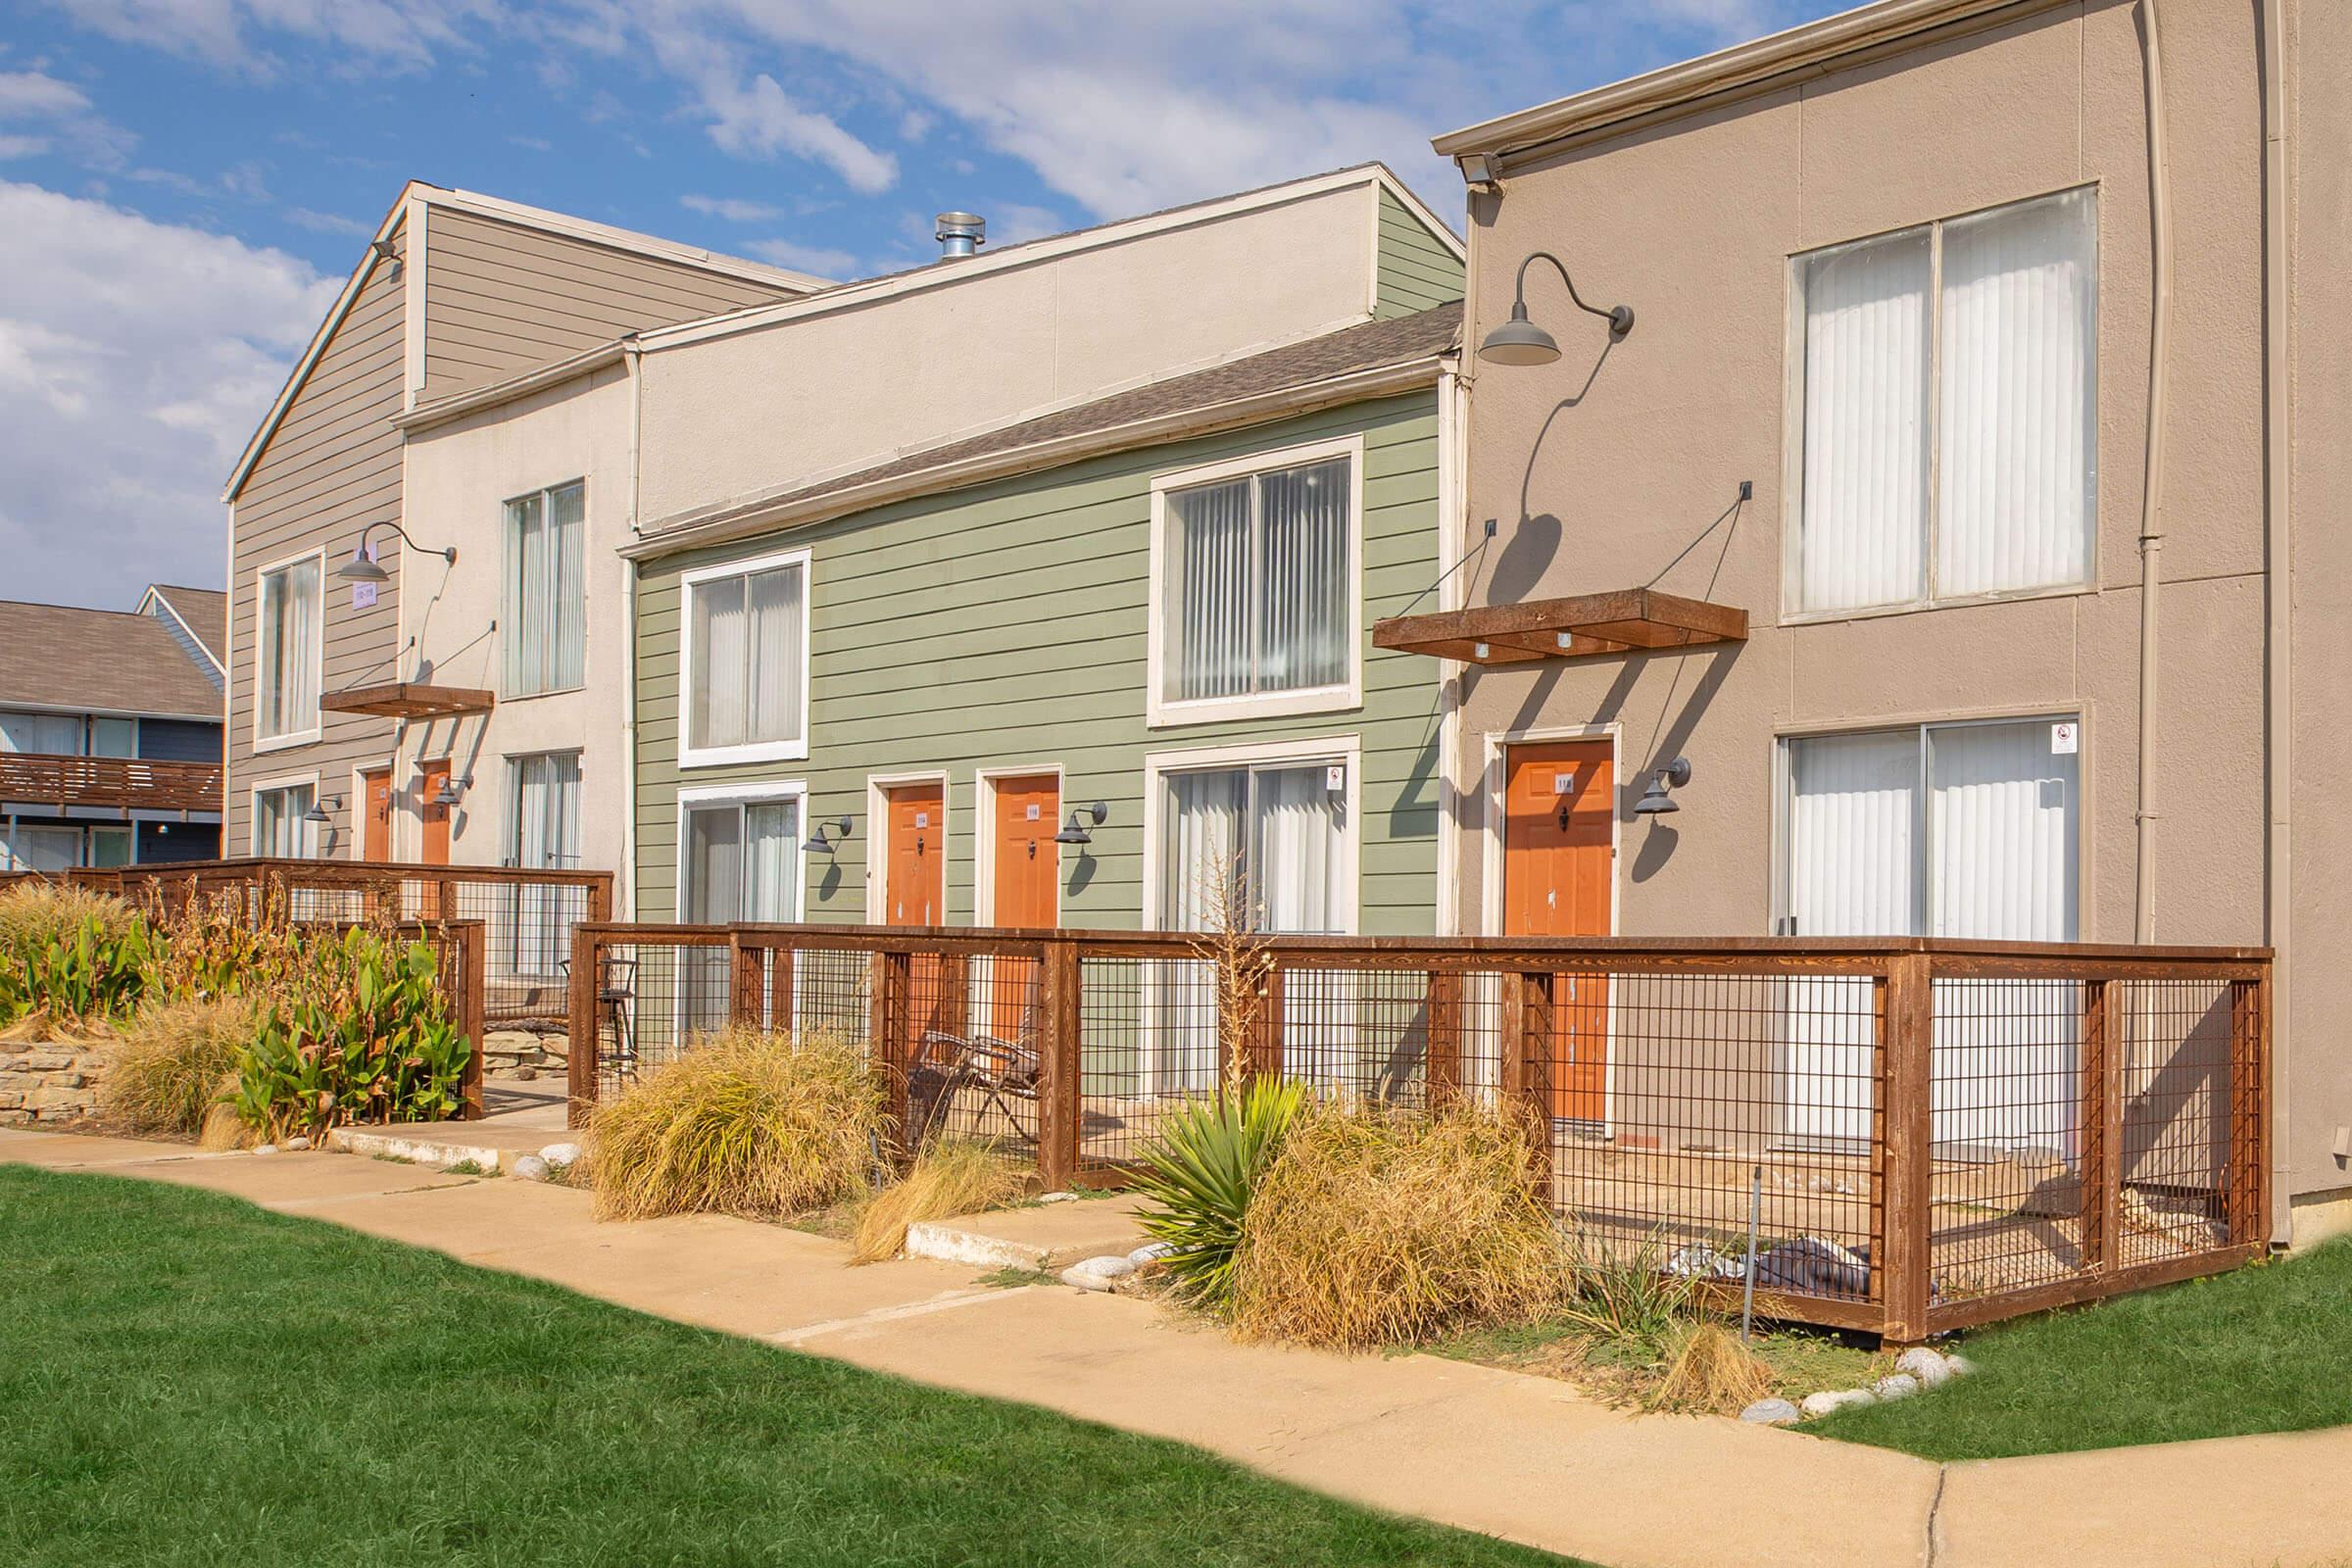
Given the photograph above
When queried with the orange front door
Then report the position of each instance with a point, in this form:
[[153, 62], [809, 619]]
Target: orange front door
[[434, 848], [1027, 887], [375, 814], [1558, 874], [914, 893]]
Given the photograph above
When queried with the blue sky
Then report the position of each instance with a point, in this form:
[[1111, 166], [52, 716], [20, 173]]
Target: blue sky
[[184, 183]]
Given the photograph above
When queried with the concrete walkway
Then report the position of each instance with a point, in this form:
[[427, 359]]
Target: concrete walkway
[[1519, 1456]]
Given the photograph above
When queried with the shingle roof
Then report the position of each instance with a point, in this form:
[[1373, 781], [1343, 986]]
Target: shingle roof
[[204, 611], [1372, 346], [57, 655]]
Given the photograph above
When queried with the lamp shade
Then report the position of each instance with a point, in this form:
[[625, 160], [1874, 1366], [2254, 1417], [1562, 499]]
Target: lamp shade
[[1654, 800], [1519, 341], [317, 815], [358, 568]]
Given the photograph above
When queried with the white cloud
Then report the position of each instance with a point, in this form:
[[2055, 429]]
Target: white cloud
[[1010, 223], [29, 94], [23, 146], [734, 209], [318, 223], [73, 127], [398, 33], [135, 360], [801, 258], [758, 120]]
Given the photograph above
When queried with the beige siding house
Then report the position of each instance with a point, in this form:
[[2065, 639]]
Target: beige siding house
[[455, 290], [1895, 278]]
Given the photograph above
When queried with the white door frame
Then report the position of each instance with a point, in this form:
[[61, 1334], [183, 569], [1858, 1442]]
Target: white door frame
[[984, 835], [877, 838]]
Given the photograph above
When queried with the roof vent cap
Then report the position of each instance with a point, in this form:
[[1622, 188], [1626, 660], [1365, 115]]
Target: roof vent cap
[[960, 234]]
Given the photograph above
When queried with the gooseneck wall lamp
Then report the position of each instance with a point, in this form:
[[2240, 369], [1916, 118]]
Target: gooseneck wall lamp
[[825, 837], [360, 569], [1520, 341], [1656, 801], [1074, 832]]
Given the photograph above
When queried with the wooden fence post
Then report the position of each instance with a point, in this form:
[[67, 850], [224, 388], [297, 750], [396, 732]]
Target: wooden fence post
[[600, 896], [886, 1035], [1058, 1111], [2250, 1130], [1527, 1043], [587, 1031], [1443, 1073], [1906, 1031], [474, 965], [2102, 1124], [1265, 1028], [747, 990]]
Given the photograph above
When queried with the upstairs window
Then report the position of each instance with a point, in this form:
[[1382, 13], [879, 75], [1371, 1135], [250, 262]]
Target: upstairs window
[[1947, 410], [288, 651], [278, 828], [546, 600], [746, 662], [1255, 608]]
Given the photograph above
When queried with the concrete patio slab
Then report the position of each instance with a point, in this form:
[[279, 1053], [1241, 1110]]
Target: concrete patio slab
[[294, 1183], [1046, 1236], [58, 1151]]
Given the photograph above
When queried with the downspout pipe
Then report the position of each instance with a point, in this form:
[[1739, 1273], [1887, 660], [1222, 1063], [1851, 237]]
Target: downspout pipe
[[2151, 493], [625, 878], [2277, 599]]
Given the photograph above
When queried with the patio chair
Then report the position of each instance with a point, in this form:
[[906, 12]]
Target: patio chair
[[1003, 1073]]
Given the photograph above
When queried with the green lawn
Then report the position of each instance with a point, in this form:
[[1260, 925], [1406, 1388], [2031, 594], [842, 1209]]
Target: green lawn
[[186, 1378], [2267, 1348]]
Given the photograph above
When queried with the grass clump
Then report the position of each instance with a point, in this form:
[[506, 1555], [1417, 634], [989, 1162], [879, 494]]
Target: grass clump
[[949, 1177], [1376, 1228], [168, 1073], [1709, 1369], [41, 912], [744, 1123]]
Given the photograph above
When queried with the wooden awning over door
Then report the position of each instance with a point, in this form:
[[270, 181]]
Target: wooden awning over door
[[1577, 627], [410, 700]]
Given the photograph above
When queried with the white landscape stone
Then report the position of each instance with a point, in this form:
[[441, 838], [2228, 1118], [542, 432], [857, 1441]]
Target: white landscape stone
[[295, 1145], [266, 1148], [1149, 1253], [561, 1153], [529, 1168], [1929, 1366], [1898, 1385], [1058, 1197], [1770, 1412], [1096, 1273], [1829, 1399]]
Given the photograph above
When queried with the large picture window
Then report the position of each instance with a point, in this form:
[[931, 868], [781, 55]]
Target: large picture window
[[278, 825], [1274, 831], [1946, 440], [288, 650], [546, 599], [1256, 608], [746, 662]]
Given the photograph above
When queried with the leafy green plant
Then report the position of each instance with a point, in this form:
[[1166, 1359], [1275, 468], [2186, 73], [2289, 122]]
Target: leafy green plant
[[89, 971], [1200, 1170], [357, 1031], [1623, 1290]]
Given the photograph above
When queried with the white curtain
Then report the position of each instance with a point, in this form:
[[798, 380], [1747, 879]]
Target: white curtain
[[1200, 843], [1294, 859], [48, 734], [1208, 626], [290, 616], [1852, 870], [771, 850], [2020, 325], [1862, 541], [547, 829], [748, 678], [546, 593], [278, 828], [1302, 578]]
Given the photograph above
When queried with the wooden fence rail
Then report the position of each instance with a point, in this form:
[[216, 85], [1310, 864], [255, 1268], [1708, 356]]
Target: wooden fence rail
[[1933, 1132]]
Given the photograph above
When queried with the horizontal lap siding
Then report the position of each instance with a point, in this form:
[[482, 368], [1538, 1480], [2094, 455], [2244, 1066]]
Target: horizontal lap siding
[[1417, 271], [332, 467], [501, 298], [1005, 626]]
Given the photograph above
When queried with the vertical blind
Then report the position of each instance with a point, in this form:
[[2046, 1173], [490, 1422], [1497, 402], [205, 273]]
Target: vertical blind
[[49, 734], [1965, 350], [1276, 830], [1260, 573], [742, 861], [288, 699], [746, 654], [547, 837], [546, 589]]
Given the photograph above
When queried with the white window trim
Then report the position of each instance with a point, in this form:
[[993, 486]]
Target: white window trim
[[1344, 749], [693, 755], [1159, 714], [984, 835], [791, 789], [282, 781], [301, 737], [1783, 784], [877, 839], [1792, 420], [1496, 782], [507, 609]]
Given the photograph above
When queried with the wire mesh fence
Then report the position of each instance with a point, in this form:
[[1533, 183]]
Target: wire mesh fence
[[1898, 1136]]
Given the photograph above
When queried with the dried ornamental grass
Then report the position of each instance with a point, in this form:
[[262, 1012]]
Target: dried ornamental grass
[[166, 1074], [52, 911], [949, 1178], [743, 1123], [1372, 1228], [1711, 1370]]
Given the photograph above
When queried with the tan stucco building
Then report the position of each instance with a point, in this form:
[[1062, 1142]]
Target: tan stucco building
[[1898, 271]]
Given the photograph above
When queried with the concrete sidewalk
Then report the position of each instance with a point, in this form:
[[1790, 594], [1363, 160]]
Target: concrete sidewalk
[[1519, 1456]]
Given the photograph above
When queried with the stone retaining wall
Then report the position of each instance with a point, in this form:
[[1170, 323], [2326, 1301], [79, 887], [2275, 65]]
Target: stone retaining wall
[[49, 1080]]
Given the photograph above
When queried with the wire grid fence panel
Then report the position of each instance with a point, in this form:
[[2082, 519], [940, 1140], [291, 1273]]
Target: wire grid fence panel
[[2173, 1071], [975, 1038], [1702, 1118], [653, 1000], [1146, 1040]]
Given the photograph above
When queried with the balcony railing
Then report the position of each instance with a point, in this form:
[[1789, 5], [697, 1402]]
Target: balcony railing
[[34, 779]]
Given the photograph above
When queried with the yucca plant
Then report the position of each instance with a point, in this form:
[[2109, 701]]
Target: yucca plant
[[1200, 1170]]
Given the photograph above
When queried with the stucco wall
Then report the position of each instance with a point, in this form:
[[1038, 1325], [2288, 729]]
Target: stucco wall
[[1597, 487], [458, 477]]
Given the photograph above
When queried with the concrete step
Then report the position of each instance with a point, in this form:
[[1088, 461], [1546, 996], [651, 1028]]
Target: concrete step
[[491, 1144], [1046, 1236]]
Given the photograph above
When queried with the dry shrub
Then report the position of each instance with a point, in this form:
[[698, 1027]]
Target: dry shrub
[[166, 1074], [1711, 1370], [224, 1128], [52, 911], [949, 1178], [1376, 1228], [743, 1123]]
